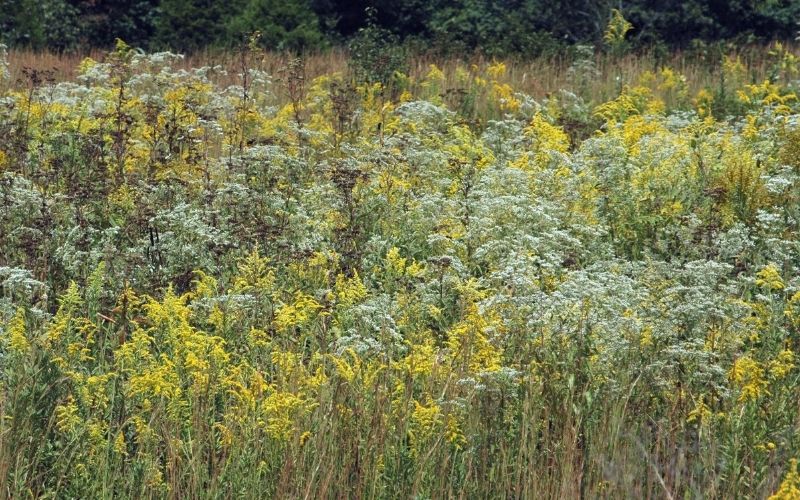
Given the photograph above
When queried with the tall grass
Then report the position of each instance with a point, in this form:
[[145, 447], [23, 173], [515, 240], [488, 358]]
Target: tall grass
[[537, 77]]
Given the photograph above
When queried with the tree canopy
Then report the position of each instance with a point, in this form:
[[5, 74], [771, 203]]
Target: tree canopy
[[496, 27]]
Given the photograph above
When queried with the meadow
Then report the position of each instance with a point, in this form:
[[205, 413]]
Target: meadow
[[249, 275]]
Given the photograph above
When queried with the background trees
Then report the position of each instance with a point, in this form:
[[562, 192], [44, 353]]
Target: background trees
[[497, 27]]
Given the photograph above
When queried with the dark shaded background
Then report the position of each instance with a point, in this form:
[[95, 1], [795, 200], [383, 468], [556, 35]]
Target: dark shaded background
[[496, 27]]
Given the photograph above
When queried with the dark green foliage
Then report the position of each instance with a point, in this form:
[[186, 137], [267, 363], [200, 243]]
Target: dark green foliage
[[376, 53], [495, 27], [498, 27], [105, 21], [187, 25], [283, 25], [55, 24], [676, 22]]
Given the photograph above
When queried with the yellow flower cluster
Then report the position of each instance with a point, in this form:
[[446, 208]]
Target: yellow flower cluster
[[15, 334], [770, 278], [300, 311], [617, 28], [748, 375], [790, 487]]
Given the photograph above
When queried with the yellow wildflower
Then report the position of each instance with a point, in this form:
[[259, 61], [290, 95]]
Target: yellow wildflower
[[67, 418], [748, 375], [468, 342], [782, 364], [17, 342], [120, 447], [496, 70], [790, 487], [769, 277], [701, 412], [616, 29], [351, 290], [298, 313], [425, 419]]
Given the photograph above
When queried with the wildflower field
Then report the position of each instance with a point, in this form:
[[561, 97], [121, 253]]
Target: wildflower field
[[228, 282]]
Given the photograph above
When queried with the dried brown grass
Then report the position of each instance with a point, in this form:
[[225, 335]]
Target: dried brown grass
[[538, 77]]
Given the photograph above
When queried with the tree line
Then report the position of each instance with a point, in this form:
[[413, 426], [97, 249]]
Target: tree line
[[495, 27]]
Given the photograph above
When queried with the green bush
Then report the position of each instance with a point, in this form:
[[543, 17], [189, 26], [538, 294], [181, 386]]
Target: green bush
[[283, 25], [188, 25], [54, 24]]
